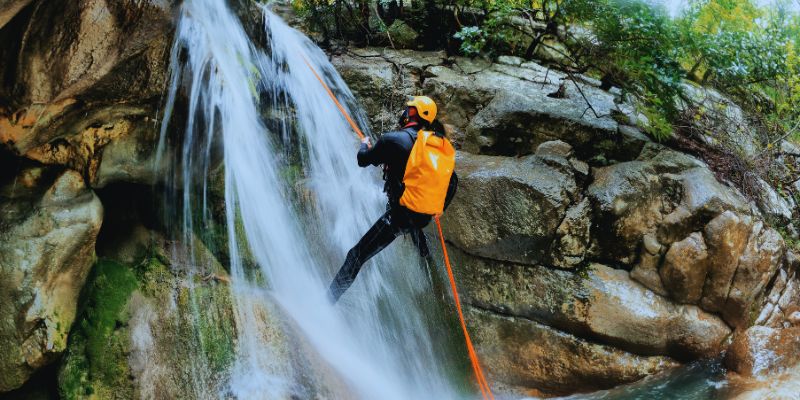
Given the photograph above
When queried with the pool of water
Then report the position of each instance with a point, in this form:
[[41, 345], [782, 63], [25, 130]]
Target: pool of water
[[702, 380]]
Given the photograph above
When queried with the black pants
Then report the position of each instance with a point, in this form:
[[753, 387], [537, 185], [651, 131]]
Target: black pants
[[396, 221]]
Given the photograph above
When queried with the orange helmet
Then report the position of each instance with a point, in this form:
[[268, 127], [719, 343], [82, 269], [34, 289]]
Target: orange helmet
[[426, 108]]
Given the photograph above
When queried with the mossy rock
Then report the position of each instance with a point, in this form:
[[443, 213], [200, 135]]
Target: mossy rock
[[96, 365], [402, 35], [151, 328]]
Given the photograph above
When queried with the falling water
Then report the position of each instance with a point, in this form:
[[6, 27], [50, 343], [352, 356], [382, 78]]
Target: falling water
[[295, 202]]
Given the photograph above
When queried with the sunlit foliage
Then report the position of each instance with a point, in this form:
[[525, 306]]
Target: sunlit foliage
[[748, 52]]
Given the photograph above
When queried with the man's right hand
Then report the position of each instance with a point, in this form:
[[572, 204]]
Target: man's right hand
[[366, 141]]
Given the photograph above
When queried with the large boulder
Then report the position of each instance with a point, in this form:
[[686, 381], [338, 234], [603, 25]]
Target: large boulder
[[726, 237], [48, 230], [760, 351], [665, 201], [509, 209], [503, 108], [86, 74], [665, 194], [764, 364], [685, 267], [524, 354], [605, 305], [516, 122], [760, 260], [510, 109]]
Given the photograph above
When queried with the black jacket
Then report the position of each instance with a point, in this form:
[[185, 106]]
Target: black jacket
[[392, 150]]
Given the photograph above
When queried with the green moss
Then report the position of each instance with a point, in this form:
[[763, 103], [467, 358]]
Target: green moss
[[606, 145], [152, 272], [791, 242], [96, 357], [216, 334], [196, 338], [112, 287], [658, 127]]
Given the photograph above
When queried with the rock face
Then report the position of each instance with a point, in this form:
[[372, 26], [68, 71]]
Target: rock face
[[82, 87], [605, 305], [49, 228], [685, 268], [495, 109], [83, 77], [727, 236], [509, 209], [760, 351], [763, 359], [664, 194], [591, 238], [552, 360]]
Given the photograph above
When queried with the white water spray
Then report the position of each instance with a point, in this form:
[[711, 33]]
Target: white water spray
[[296, 201]]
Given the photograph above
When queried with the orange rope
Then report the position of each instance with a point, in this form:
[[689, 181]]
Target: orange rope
[[473, 356], [333, 97]]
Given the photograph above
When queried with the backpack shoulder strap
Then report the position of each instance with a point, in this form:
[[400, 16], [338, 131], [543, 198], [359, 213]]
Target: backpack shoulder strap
[[410, 131]]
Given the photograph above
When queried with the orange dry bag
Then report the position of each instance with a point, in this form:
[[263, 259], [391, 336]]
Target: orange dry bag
[[428, 172]]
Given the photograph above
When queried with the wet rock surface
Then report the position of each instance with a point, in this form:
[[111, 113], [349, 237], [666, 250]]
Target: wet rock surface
[[761, 351], [551, 360], [685, 268], [48, 226], [603, 305], [143, 334], [86, 76], [484, 115], [509, 209]]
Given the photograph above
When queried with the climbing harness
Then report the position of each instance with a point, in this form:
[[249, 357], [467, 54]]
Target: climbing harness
[[473, 356]]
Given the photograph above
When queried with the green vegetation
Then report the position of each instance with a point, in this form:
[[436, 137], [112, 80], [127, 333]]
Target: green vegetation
[[216, 335], [97, 362], [747, 52], [97, 348], [792, 242], [749, 56]]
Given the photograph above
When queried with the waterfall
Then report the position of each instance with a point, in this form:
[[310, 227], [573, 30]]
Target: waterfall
[[295, 202]]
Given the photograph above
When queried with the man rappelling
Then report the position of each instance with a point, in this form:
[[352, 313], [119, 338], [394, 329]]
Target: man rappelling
[[418, 162]]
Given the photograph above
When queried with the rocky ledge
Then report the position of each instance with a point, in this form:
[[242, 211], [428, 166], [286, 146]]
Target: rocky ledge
[[82, 83]]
